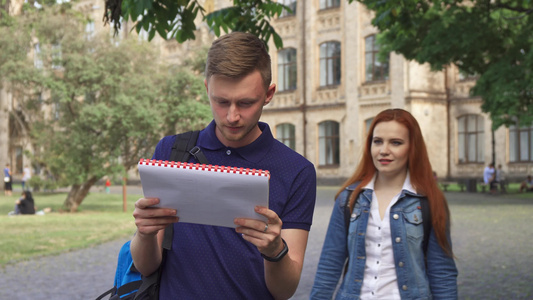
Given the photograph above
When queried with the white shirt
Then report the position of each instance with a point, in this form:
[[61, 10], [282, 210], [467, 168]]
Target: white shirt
[[487, 174], [27, 174], [380, 281]]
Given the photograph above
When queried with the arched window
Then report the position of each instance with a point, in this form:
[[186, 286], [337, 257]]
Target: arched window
[[285, 134], [521, 143], [325, 4], [287, 69], [330, 63], [328, 143], [471, 138], [375, 69]]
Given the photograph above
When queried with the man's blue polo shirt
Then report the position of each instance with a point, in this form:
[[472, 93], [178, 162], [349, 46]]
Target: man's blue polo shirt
[[211, 262]]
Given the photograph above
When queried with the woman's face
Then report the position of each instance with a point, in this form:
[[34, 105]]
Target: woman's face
[[390, 148]]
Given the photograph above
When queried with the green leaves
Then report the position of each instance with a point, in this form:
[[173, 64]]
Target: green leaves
[[172, 19], [104, 105], [489, 38]]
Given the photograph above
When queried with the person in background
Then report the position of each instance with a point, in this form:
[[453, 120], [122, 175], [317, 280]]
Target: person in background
[[26, 175], [107, 186], [383, 240], [8, 188], [25, 205], [499, 178], [488, 177], [257, 259], [527, 185]]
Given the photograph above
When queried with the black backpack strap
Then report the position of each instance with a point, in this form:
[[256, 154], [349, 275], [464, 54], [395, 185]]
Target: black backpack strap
[[199, 155], [184, 146], [108, 292], [347, 212], [347, 216], [128, 288], [426, 222]]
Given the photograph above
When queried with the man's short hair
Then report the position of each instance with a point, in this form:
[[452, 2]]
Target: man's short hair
[[238, 54]]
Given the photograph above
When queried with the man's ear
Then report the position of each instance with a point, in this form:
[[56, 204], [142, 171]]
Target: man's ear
[[205, 83], [270, 93]]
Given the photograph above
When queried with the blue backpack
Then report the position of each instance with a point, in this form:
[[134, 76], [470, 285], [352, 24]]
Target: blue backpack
[[127, 278], [129, 283]]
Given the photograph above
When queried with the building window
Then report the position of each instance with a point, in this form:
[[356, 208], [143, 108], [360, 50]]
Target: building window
[[471, 139], [521, 143], [287, 69], [57, 57], [18, 160], [368, 122], [37, 58], [464, 76], [325, 4], [89, 29], [328, 143], [291, 4], [375, 69], [285, 134], [330, 63]]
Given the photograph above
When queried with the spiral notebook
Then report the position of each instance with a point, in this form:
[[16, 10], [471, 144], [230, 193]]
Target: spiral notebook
[[205, 194]]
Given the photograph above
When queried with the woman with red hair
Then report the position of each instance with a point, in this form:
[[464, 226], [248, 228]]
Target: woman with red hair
[[383, 238]]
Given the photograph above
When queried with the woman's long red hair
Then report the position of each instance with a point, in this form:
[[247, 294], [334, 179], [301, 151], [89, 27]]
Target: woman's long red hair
[[420, 172]]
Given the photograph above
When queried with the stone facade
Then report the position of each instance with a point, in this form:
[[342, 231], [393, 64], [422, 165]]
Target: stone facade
[[436, 99]]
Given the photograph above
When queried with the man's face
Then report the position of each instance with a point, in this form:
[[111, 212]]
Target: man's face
[[237, 105]]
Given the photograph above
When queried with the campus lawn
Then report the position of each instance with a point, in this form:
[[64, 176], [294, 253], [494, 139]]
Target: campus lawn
[[512, 189], [100, 219]]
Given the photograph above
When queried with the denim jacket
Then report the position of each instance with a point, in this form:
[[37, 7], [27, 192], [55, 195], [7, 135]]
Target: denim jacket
[[415, 281]]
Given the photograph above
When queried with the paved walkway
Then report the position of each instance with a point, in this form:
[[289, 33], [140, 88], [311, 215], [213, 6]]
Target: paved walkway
[[492, 235]]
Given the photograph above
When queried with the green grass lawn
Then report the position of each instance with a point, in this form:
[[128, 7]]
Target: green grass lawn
[[512, 189], [100, 219]]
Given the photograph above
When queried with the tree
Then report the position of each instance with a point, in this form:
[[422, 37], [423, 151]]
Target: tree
[[95, 105], [173, 19], [489, 39]]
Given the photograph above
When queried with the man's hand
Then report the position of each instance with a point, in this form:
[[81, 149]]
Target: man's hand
[[150, 220], [265, 236]]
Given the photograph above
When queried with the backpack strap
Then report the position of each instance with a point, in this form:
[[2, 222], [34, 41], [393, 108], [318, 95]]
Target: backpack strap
[[426, 217], [347, 216], [128, 288], [347, 212], [184, 146], [108, 292]]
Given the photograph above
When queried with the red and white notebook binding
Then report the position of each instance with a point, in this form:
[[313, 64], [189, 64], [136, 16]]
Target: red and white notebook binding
[[205, 194]]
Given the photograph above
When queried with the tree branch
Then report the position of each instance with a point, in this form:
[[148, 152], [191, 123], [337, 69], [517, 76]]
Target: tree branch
[[527, 11]]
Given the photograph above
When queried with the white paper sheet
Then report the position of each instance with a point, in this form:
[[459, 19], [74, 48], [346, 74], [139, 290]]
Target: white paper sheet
[[205, 197]]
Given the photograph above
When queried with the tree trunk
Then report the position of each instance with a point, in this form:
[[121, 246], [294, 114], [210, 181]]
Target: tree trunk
[[77, 193]]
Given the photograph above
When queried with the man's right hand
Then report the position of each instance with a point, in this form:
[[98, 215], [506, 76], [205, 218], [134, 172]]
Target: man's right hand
[[150, 220]]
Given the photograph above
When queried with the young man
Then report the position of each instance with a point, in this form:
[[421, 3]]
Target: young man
[[210, 262]]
